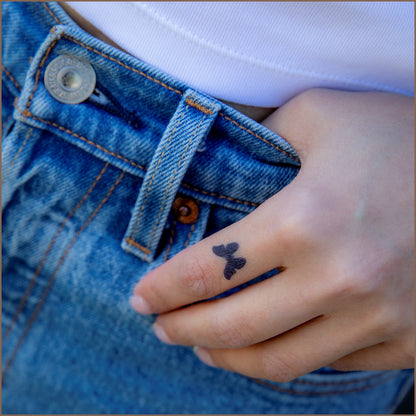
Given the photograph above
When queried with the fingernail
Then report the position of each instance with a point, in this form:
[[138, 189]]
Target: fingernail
[[140, 305], [204, 356], [161, 334]]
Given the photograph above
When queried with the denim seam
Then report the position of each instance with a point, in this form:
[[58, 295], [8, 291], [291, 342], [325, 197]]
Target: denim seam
[[177, 91], [137, 245], [19, 151], [6, 121], [27, 111], [51, 280], [323, 393], [52, 13], [122, 64], [172, 234], [229, 198], [82, 138], [11, 77], [174, 175], [46, 254], [199, 107], [261, 138], [154, 173], [220, 196], [189, 235], [37, 76]]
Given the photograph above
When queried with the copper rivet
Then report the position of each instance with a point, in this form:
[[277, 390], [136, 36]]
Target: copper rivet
[[185, 210]]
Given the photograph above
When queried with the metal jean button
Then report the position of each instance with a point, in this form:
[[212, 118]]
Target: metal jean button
[[185, 210], [69, 80]]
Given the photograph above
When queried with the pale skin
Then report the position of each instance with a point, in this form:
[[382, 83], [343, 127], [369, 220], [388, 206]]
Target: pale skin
[[343, 232]]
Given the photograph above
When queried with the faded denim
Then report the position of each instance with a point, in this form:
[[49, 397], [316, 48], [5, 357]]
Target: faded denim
[[86, 197]]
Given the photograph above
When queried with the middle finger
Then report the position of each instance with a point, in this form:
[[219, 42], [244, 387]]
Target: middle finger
[[253, 315]]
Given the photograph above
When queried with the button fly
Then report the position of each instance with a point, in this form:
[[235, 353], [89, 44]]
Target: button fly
[[69, 80], [185, 210]]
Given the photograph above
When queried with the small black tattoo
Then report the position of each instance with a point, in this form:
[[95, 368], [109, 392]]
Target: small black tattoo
[[233, 263]]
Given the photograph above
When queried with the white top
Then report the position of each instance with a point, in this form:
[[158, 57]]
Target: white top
[[262, 54]]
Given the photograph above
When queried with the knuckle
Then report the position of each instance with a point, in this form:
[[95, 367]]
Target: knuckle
[[354, 278], [386, 318], [197, 278], [300, 226]]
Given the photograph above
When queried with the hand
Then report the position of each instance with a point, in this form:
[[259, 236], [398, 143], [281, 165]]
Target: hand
[[343, 233]]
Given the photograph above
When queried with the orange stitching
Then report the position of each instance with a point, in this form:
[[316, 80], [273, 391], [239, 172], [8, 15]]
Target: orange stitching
[[5, 122], [133, 163], [154, 173], [189, 235], [194, 104], [21, 148], [135, 244], [51, 13], [11, 77], [38, 72], [173, 176], [154, 80], [259, 137], [219, 195], [51, 280], [122, 64], [52, 242], [85, 140], [175, 90], [172, 233], [19, 151]]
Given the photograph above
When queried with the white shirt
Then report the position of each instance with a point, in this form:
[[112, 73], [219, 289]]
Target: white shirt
[[262, 54]]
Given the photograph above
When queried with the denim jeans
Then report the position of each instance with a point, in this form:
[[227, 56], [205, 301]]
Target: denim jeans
[[87, 200]]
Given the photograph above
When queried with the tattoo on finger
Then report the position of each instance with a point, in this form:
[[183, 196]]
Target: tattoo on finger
[[233, 263]]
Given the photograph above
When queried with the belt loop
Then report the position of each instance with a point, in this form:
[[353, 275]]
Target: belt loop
[[189, 125]]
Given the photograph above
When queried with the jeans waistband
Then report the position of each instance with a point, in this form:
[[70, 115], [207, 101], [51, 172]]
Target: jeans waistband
[[237, 162]]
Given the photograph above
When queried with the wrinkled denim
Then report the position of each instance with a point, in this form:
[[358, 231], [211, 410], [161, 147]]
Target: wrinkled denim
[[86, 197]]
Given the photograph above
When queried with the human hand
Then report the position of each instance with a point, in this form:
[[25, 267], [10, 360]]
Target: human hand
[[343, 233]]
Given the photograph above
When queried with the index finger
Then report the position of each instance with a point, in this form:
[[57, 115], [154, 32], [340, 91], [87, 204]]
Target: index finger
[[229, 258]]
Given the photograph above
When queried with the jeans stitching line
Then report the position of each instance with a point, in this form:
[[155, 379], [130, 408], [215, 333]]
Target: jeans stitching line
[[131, 162], [122, 64], [84, 139], [182, 114], [219, 195], [189, 235], [199, 107], [261, 138], [37, 76], [19, 151], [46, 254], [8, 73], [137, 245], [177, 91], [52, 278], [6, 121], [173, 176], [51, 13]]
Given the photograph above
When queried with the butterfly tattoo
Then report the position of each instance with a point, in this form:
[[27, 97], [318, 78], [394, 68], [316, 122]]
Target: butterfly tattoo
[[233, 263]]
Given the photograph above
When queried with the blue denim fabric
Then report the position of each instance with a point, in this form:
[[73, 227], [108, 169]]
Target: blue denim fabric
[[87, 195]]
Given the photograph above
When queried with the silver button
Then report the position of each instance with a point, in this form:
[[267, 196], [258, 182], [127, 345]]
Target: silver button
[[69, 80]]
